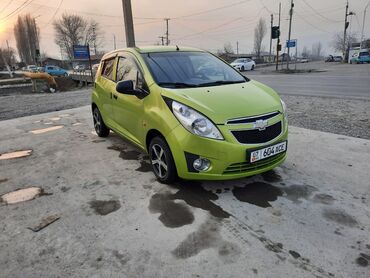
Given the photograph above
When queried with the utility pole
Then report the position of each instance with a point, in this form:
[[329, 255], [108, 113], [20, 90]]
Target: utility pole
[[237, 47], [162, 39], [167, 40], [129, 24], [345, 32], [272, 23], [94, 40], [278, 40], [114, 42], [363, 26], [290, 31]]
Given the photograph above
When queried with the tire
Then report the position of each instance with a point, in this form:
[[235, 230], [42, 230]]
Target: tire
[[242, 68], [252, 68], [100, 128], [161, 158]]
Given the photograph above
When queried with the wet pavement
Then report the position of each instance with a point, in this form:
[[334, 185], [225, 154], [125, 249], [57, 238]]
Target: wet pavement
[[92, 208]]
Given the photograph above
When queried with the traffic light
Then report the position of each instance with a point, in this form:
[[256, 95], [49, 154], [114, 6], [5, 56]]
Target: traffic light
[[275, 32]]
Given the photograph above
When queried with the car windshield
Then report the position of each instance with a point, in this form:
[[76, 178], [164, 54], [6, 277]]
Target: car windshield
[[239, 61], [190, 69], [364, 53]]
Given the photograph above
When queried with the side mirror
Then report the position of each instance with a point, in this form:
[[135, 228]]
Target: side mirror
[[126, 87]]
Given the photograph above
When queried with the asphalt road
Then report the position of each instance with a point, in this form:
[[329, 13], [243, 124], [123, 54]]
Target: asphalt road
[[308, 218], [337, 80]]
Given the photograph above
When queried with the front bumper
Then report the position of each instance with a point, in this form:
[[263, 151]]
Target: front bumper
[[228, 157]]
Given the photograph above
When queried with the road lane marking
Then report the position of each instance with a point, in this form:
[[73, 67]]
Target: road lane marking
[[16, 154], [43, 130]]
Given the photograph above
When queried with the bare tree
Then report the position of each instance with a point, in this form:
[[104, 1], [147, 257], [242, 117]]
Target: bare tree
[[7, 59], [75, 30], [305, 52], [337, 42], [259, 34], [27, 38], [317, 50]]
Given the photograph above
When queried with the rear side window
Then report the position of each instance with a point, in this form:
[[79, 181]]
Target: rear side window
[[107, 70]]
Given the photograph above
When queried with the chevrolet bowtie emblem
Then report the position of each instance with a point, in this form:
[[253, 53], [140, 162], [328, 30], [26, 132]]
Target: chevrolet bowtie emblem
[[260, 124]]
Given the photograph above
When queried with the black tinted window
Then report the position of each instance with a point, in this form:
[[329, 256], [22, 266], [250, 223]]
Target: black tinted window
[[108, 69], [127, 70]]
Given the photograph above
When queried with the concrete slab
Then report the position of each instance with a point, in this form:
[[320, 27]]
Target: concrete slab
[[308, 218]]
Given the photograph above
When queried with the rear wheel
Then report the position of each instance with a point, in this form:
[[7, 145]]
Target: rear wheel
[[101, 129], [252, 68], [162, 161]]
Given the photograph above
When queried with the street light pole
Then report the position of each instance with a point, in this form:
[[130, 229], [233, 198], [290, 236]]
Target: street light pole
[[272, 23], [129, 24], [290, 31], [363, 26]]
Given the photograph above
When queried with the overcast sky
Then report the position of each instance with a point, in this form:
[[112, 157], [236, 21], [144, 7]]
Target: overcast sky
[[207, 24]]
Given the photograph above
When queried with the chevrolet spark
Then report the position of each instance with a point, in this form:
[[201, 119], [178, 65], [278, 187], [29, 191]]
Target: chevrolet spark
[[195, 115]]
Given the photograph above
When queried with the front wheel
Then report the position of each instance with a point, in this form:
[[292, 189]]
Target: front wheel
[[100, 128], [242, 68], [162, 161]]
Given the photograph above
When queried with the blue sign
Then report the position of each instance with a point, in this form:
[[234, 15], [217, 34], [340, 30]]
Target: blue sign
[[291, 43], [81, 52]]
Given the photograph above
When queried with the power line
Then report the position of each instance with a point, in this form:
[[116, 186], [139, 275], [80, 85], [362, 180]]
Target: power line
[[309, 23], [55, 13], [316, 12], [7, 5], [18, 9]]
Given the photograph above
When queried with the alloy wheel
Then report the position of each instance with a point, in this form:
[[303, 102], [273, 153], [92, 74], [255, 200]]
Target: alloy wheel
[[97, 122], [159, 160]]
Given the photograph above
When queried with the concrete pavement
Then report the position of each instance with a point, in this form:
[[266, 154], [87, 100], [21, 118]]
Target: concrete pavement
[[308, 218]]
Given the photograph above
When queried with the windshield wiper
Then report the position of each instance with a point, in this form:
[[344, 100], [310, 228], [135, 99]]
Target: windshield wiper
[[220, 82], [177, 85]]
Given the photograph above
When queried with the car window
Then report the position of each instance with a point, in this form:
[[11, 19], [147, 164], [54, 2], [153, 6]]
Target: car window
[[364, 54], [108, 68], [128, 70]]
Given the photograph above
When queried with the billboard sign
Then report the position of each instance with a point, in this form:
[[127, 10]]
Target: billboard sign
[[291, 43], [81, 52]]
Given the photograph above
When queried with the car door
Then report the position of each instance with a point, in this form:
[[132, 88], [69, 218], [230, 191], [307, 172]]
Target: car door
[[105, 86], [249, 64], [128, 110]]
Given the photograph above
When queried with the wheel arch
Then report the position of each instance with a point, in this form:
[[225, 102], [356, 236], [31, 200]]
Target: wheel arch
[[150, 135]]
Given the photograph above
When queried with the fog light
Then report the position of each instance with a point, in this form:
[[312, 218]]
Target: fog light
[[201, 164]]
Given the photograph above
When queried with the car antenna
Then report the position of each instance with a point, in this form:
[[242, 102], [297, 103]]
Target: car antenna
[[177, 48]]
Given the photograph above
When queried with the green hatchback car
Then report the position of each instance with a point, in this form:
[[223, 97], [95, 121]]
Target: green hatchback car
[[195, 115]]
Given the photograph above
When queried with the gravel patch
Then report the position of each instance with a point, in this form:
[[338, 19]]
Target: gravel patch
[[334, 115]]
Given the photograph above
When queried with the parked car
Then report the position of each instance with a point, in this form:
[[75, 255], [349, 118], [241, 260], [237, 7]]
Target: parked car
[[31, 68], [195, 122], [338, 58], [360, 58], [243, 64], [80, 68], [55, 71], [330, 58]]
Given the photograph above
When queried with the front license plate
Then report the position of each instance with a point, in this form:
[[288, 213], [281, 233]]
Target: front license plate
[[267, 152]]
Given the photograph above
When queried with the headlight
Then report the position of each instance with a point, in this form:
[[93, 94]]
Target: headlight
[[285, 112], [195, 122]]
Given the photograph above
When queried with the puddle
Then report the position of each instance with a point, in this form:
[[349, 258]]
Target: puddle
[[144, 167], [16, 154], [105, 207], [257, 193], [296, 192], [294, 254], [124, 154], [173, 215], [22, 195], [363, 260], [207, 236], [340, 217], [43, 130], [271, 176]]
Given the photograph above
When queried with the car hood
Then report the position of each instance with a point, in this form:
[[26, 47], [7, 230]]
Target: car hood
[[222, 103], [236, 64]]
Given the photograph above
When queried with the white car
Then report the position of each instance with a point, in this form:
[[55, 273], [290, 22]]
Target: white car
[[243, 64]]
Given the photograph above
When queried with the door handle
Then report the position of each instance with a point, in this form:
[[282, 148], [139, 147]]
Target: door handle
[[115, 96]]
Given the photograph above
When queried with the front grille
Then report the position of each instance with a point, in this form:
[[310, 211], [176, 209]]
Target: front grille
[[242, 167], [255, 136], [252, 119]]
